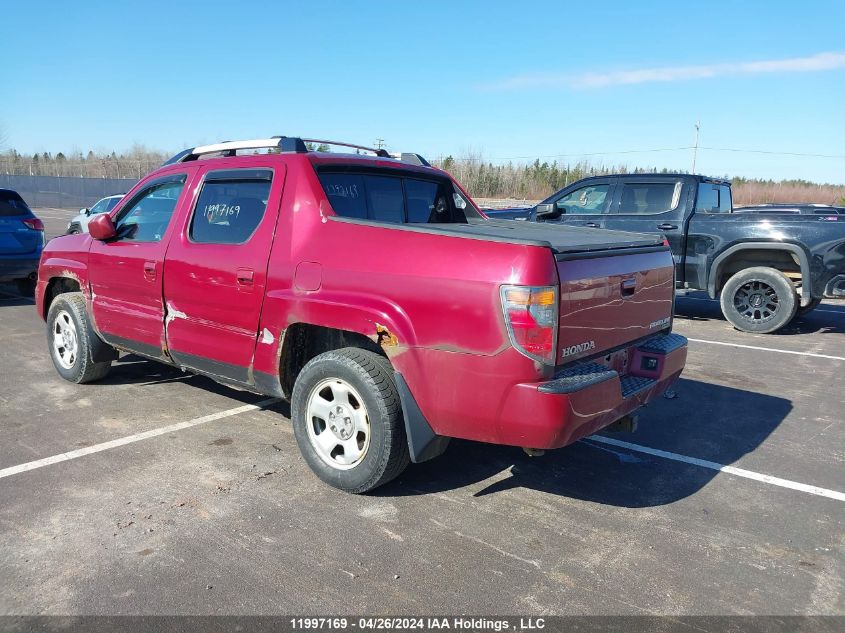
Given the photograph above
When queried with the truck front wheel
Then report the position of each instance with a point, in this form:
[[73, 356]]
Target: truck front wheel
[[348, 421], [70, 340], [759, 299]]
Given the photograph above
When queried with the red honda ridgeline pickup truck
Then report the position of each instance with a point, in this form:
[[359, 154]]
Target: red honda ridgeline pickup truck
[[372, 293]]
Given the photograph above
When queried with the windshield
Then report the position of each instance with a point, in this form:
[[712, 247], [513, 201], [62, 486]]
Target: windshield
[[112, 203]]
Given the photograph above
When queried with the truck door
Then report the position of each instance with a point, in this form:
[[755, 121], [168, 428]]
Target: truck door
[[587, 204], [656, 205], [706, 230], [125, 273], [216, 270]]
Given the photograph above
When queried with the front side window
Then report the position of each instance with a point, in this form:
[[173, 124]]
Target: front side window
[[111, 203], [589, 200], [230, 206], [713, 198], [649, 198], [394, 198], [146, 217]]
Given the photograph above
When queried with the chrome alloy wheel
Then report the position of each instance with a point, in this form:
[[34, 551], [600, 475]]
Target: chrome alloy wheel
[[337, 423], [65, 340]]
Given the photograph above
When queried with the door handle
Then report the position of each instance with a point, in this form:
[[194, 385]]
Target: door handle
[[667, 227], [150, 270], [628, 287], [592, 225], [245, 276]]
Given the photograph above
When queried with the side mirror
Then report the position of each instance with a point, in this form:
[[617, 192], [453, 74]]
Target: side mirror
[[548, 211], [85, 210], [101, 227]]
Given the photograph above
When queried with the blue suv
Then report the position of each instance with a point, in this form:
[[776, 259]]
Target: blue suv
[[21, 241]]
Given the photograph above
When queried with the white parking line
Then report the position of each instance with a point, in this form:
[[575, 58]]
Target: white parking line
[[767, 349], [129, 439], [739, 472]]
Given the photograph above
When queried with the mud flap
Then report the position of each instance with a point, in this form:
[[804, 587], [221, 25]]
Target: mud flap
[[423, 443]]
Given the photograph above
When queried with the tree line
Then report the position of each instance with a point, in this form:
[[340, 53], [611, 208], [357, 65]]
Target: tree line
[[481, 178]]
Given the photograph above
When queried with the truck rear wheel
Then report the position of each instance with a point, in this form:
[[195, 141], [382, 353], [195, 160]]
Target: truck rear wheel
[[348, 421], [70, 340], [759, 299]]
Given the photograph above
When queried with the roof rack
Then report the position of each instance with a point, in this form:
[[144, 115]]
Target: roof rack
[[285, 144], [381, 153]]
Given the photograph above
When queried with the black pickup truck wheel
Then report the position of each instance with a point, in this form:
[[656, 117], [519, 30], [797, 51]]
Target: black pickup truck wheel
[[759, 299], [348, 421]]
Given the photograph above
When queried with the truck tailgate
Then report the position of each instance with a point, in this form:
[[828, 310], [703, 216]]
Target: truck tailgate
[[611, 299]]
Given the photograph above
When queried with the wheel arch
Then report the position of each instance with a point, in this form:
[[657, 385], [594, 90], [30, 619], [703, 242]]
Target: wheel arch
[[55, 286], [781, 256], [303, 341]]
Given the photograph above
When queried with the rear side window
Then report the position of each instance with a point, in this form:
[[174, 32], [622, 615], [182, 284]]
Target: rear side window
[[393, 198], [649, 198], [713, 198], [230, 206], [12, 204]]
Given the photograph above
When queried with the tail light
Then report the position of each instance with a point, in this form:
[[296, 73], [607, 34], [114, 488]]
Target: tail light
[[34, 223], [531, 314]]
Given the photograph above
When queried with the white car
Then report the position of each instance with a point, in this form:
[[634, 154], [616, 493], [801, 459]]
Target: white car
[[79, 223]]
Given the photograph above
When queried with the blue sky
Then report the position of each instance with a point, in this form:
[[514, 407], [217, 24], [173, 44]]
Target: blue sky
[[505, 80]]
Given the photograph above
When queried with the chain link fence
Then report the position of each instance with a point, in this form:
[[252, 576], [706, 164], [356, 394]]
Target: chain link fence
[[64, 192]]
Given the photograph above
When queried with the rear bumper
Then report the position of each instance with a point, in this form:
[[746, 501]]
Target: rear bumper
[[19, 268], [587, 397]]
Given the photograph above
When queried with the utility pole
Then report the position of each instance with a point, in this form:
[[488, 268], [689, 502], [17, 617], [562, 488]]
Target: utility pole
[[379, 143], [695, 149]]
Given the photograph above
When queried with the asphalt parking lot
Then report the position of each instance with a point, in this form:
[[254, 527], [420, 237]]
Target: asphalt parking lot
[[223, 516]]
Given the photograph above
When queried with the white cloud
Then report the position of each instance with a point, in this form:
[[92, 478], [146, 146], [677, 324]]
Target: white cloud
[[813, 63]]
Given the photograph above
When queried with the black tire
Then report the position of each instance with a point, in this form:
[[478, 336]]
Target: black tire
[[385, 454], [26, 287], [759, 299], [814, 303], [68, 310]]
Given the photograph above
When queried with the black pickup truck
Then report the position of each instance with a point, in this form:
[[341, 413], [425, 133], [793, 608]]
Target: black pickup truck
[[765, 267]]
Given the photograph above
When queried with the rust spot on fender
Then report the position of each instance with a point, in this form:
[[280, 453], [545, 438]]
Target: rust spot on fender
[[386, 338]]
